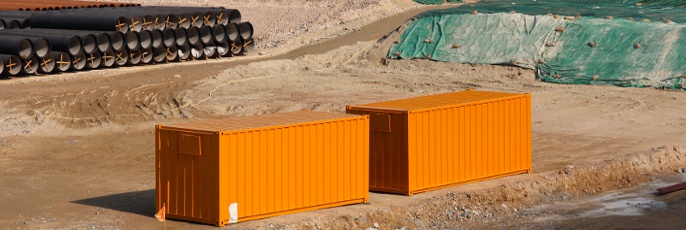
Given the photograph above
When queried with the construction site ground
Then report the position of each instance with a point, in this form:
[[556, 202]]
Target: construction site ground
[[77, 149]]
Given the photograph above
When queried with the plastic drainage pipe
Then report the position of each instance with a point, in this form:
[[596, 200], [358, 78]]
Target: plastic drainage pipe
[[193, 35], [157, 38], [121, 58], [197, 51], [232, 33], [93, 60], [134, 57], [146, 56], [78, 61], [237, 47], [20, 46], [180, 34], [101, 22], [159, 54], [219, 33], [29, 65], [171, 53], [11, 63], [184, 52], [246, 30], [66, 43], [223, 49], [108, 58], [169, 37], [145, 37], [46, 64], [132, 40], [62, 61], [206, 36]]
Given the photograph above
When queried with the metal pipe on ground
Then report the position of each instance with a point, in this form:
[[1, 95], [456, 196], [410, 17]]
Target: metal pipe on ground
[[219, 33], [100, 39], [169, 37], [121, 57], [193, 35], [29, 65], [108, 58], [237, 47], [159, 54], [132, 40], [246, 30], [47, 64], [94, 60], [180, 35], [2, 67], [134, 57], [41, 47], [2, 24], [66, 43], [12, 24], [15, 45], [197, 51], [232, 33], [146, 56], [79, 21], [62, 61], [170, 21], [145, 37], [206, 36], [117, 40], [210, 51], [157, 38], [223, 49], [11, 64], [184, 52], [16, 22], [78, 61], [248, 45], [171, 53], [226, 16]]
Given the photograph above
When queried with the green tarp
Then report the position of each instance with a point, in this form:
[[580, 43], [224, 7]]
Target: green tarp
[[586, 44], [436, 2]]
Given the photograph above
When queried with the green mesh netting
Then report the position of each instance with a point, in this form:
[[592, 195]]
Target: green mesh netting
[[436, 2], [586, 44]]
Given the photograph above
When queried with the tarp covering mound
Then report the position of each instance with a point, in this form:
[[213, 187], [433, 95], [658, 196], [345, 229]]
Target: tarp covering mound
[[436, 2], [565, 42]]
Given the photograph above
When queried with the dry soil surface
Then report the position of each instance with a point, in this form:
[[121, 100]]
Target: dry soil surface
[[76, 150]]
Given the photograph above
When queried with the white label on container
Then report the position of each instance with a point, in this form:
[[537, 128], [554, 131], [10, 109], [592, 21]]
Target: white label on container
[[233, 213]]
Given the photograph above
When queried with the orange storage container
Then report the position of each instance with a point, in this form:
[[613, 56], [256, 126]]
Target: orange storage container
[[243, 168], [426, 143]]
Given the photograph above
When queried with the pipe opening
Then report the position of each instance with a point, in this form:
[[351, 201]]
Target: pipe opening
[[246, 30], [170, 21], [193, 34], [41, 47], [180, 34], [171, 53], [159, 54], [184, 52], [169, 37], [117, 41], [210, 51], [219, 33], [74, 45], [13, 24], [146, 56], [103, 42], [223, 49], [135, 23], [46, 64], [135, 57], [78, 61], [145, 39], [108, 58], [197, 51], [157, 38], [232, 33], [248, 45], [209, 19], [184, 21], [147, 23], [206, 36], [121, 58], [12, 64], [237, 47], [25, 49], [93, 60], [30, 65], [132, 40], [62, 61], [89, 44]]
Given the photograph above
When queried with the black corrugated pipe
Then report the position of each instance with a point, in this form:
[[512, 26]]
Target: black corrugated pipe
[[66, 43], [94, 60], [232, 33], [62, 60], [237, 47], [108, 58], [29, 65], [78, 61], [219, 33], [184, 52], [248, 45], [246, 30], [157, 38], [11, 63], [171, 53], [159, 54], [121, 58], [206, 36], [223, 48], [79, 21], [193, 35], [169, 37], [132, 40], [180, 35], [145, 37], [146, 56], [134, 57], [15, 45], [47, 64], [197, 51]]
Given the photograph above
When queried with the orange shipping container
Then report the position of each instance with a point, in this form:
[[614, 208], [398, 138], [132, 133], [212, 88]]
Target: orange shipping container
[[243, 168], [426, 143]]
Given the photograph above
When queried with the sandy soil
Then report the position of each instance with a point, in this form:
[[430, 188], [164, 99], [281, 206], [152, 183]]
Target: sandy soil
[[76, 150]]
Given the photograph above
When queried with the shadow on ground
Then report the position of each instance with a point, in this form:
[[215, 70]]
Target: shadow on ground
[[140, 202]]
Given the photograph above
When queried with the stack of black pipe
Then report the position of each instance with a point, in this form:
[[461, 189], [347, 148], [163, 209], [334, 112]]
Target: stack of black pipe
[[89, 38]]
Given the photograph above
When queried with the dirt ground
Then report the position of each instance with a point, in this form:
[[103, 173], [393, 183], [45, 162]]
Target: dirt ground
[[76, 150]]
